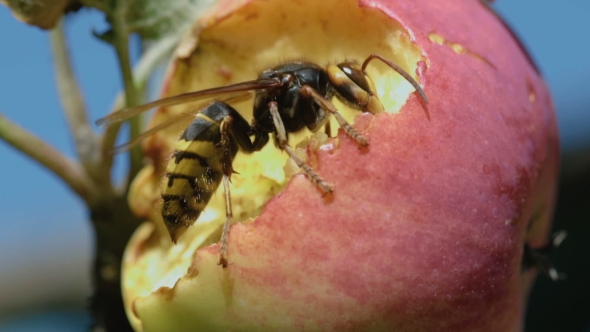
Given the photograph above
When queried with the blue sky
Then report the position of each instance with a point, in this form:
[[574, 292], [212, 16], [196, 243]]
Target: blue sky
[[42, 221]]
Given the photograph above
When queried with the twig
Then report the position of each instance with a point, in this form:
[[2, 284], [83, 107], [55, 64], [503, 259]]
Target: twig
[[153, 56], [141, 74], [72, 100], [68, 170], [121, 44]]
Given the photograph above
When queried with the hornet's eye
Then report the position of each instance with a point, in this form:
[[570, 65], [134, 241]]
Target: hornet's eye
[[354, 86]]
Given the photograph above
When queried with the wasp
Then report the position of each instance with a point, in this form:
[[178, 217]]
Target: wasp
[[288, 98]]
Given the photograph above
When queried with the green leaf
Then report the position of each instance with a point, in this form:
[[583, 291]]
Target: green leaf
[[153, 20]]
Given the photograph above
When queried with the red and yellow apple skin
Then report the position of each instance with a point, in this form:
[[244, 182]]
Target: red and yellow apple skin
[[426, 227]]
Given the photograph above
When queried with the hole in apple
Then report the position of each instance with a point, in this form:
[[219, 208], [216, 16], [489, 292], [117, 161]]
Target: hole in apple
[[265, 33], [260, 35]]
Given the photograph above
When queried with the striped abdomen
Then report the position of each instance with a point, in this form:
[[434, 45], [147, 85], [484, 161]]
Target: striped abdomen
[[194, 171]]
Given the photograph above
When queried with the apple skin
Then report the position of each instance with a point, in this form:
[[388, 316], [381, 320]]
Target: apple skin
[[426, 227]]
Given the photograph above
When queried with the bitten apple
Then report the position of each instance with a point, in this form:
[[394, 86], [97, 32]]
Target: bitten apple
[[425, 228]]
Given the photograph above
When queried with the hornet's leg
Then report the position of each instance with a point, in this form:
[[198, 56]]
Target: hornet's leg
[[325, 104], [328, 129], [283, 144], [228, 216], [225, 127]]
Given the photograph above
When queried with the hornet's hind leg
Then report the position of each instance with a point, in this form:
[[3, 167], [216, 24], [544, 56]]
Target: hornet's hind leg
[[234, 130], [228, 216], [225, 127]]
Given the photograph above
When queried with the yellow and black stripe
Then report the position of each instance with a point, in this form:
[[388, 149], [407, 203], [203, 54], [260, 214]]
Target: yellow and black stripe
[[196, 168]]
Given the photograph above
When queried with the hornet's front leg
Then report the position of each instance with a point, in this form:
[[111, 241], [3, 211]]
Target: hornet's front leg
[[284, 145], [308, 92]]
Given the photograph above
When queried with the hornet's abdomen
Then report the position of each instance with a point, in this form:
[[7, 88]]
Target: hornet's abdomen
[[194, 171]]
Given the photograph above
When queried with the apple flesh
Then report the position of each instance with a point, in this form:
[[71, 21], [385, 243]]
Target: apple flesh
[[426, 227]]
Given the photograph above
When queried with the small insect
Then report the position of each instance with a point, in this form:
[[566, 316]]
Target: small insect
[[288, 98]]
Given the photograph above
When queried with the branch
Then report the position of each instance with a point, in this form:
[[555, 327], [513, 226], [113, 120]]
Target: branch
[[72, 100], [66, 169]]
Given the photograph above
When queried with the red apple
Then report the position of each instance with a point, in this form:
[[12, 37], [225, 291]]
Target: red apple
[[426, 227]]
